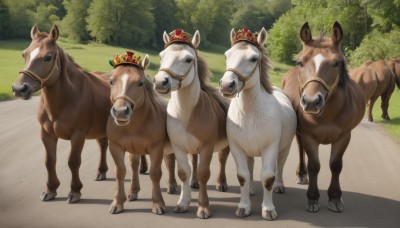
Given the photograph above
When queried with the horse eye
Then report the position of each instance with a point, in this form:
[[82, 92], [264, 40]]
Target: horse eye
[[111, 82], [189, 60], [254, 59], [47, 58], [140, 84], [299, 63]]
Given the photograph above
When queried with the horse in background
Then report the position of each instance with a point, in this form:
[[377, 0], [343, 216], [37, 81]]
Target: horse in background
[[137, 125], [377, 80], [394, 65], [196, 121], [261, 120], [328, 105], [74, 105]]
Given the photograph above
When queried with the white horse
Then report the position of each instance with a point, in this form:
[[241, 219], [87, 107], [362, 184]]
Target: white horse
[[196, 121], [261, 120]]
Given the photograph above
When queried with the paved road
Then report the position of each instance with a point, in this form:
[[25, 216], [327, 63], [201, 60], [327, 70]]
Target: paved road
[[370, 181]]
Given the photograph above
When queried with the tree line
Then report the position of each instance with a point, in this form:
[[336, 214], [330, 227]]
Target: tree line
[[371, 27]]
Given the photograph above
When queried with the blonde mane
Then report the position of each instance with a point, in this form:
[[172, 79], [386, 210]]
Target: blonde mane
[[265, 66]]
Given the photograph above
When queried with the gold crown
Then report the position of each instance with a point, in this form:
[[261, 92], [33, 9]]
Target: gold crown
[[179, 36], [129, 58], [245, 35]]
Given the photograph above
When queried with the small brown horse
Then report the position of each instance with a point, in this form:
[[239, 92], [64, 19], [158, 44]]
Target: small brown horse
[[138, 125], [328, 106], [376, 79], [74, 106]]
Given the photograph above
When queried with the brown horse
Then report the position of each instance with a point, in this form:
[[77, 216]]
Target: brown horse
[[328, 106], [376, 79], [394, 65], [138, 125], [74, 105]]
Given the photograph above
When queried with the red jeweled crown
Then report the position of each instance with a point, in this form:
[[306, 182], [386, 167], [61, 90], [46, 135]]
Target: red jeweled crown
[[245, 35], [179, 36], [129, 58]]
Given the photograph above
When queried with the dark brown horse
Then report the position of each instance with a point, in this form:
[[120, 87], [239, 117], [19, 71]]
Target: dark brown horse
[[74, 105], [328, 106], [377, 80]]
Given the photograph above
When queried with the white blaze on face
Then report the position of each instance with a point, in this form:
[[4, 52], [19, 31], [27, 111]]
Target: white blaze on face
[[124, 80], [32, 56], [318, 59]]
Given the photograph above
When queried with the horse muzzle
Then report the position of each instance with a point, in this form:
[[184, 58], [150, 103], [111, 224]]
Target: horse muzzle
[[162, 85], [312, 104], [228, 88], [23, 91], [122, 115]]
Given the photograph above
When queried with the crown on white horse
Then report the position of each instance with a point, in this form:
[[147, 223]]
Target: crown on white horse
[[245, 35], [129, 58], [179, 36]]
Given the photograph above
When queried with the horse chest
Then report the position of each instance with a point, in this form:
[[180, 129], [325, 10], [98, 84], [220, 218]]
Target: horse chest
[[181, 137]]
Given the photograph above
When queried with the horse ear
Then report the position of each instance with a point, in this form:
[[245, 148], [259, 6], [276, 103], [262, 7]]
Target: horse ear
[[262, 37], [54, 33], [166, 38], [337, 33], [305, 33], [196, 39], [233, 34], [146, 62], [34, 31]]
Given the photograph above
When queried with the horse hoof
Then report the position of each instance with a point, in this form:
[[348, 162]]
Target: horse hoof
[[132, 196], [143, 170], [279, 189], [101, 176], [336, 205], [312, 206], [116, 210], [222, 187], [179, 209], [242, 212], [302, 180], [203, 213], [158, 210], [73, 197], [269, 215], [172, 189], [370, 119], [47, 196], [195, 184]]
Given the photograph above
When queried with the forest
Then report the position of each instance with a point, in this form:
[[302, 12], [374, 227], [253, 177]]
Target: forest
[[371, 27]]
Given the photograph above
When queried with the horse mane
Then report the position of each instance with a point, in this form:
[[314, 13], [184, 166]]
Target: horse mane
[[204, 77], [265, 66]]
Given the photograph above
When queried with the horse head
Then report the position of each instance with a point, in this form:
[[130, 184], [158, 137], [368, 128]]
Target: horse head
[[128, 84], [41, 63], [243, 60], [178, 61], [322, 68]]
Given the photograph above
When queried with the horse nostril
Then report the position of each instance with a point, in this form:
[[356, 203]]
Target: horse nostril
[[13, 88], [303, 101], [319, 100], [165, 82], [113, 111], [232, 84], [24, 89], [126, 111]]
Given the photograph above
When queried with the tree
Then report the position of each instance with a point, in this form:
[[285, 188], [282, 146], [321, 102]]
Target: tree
[[5, 20], [74, 23], [164, 12], [123, 22]]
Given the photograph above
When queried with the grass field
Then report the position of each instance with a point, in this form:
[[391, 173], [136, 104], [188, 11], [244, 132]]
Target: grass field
[[95, 57]]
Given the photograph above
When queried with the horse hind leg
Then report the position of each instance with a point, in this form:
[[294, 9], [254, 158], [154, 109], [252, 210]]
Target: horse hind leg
[[172, 186], [50, 144], [143, 164], [222, 185], [371, 103], [135, 185], [194, 182], [103, 168], [282, 156], [301, 168], [385, 97], [74, 163]]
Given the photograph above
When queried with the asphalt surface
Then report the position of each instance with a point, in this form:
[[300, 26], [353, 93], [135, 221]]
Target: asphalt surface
[[370, 182]]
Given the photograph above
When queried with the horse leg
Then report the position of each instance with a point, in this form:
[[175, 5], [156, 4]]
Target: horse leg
[[156, 157], [243, 175], [74, 163], [222, 186], [268, 179], [143, 164], [385, 97], [170, 164], [135, 185], [371, 103], [335, 163], [50, 144], [194, 182], [311, 148], [250, 164], [118, 154], [301, 168], [203, 174], [282, 156], [103, 168], [184, 174]]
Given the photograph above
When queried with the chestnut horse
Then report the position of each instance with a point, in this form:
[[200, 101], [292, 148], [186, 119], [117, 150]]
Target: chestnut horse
[[196, 121], [137, 125], [328, 105], [74, 105], [376, 79], [261, 120]]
